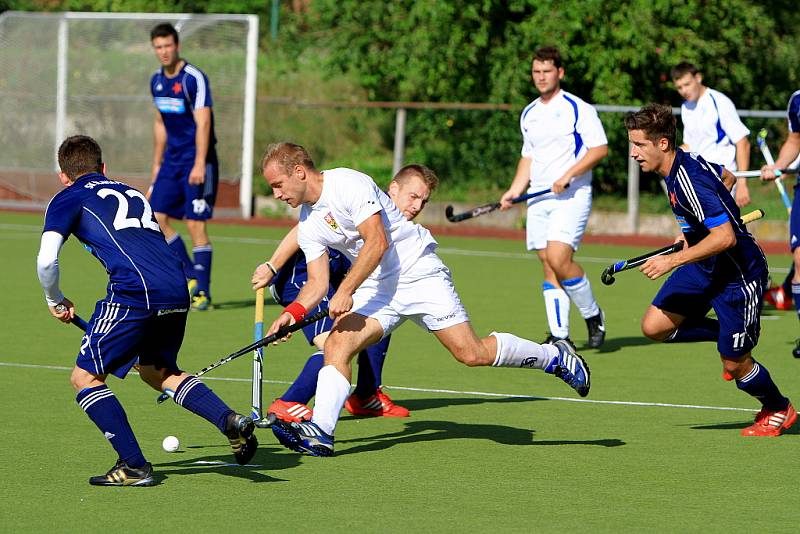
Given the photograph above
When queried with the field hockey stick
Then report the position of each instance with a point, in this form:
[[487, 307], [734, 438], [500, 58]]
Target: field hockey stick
[[488, 208], [756, 174], [608, 273], [258, 359], [762, 144], [76, 320], [280, 334]]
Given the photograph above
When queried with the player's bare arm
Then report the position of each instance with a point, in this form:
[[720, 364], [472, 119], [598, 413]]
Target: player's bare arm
[[588, 162], [202, 119], [719, 239], [287, 248], [742, 164], [375, 246], [159, 143], [312, 293], [789, 151], [521, 180]]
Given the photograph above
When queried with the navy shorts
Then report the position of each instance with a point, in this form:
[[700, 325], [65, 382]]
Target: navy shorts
[[172, 194], [794, 220], [286, 294], [690, 293], [117, 335]]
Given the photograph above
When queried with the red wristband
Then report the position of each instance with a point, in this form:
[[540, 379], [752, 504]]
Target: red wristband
[[296, 310]]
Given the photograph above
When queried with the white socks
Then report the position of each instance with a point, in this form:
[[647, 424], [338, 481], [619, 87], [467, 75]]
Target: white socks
[[580, 292], [556, 303], [513, 351], [332, 390]]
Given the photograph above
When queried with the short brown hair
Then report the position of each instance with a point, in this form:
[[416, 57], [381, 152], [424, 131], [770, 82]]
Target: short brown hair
[[164, 30], [287, 155], [656, 121], [79, 155], [421, 171], [682, 69], [548, 53]]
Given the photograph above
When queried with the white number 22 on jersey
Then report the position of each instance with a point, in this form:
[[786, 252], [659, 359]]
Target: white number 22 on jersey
[[121, 219]]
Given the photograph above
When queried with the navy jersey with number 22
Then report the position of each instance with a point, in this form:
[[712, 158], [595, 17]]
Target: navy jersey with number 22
[[115, 223]]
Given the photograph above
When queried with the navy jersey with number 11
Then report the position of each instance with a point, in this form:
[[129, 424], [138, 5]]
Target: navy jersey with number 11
[[115, 223], [700, 201]]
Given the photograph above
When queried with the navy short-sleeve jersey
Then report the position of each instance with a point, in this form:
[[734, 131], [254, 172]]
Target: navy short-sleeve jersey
[[700, 201], [116, 224], [295, 271], [176, 99]]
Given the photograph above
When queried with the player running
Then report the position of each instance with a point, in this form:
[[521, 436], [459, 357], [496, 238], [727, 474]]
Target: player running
[[396, 275], [185, 168], [143, 315], [723, 267], [563, 140], [410, 190]]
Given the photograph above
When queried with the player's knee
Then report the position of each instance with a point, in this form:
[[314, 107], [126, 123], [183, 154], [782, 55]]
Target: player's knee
[[737, 368], [654, 330], [81, 379]]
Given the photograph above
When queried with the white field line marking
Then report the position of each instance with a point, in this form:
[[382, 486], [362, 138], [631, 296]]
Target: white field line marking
[[451, 392], [442, 250]]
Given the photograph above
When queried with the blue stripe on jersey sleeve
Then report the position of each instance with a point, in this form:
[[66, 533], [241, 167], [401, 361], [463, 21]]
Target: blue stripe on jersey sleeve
[[713, 222]]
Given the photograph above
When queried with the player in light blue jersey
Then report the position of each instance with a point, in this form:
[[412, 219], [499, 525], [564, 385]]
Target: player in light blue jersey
[[790, 289], [721, 268], [143, 315], [185, 168]]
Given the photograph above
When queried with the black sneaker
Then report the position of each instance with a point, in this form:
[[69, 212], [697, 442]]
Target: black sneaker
[[124, 475], [240, 433], [551, 340], [796, 349], [597, 330]]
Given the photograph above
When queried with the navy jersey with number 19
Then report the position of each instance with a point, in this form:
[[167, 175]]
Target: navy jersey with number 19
[[115, 223]]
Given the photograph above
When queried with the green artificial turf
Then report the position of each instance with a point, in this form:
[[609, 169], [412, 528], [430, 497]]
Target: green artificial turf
[[485, 449]]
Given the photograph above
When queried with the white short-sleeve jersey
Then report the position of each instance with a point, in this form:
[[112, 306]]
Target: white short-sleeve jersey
[[711, 128], [348, 198], [557, 134]]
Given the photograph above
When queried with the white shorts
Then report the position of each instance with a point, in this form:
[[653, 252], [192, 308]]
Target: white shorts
[[560, 218], [426, 295]]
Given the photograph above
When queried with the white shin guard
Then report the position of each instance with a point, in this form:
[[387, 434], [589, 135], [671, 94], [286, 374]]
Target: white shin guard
[[332, 391]]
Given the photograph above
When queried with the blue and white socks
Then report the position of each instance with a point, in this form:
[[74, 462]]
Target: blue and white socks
[[199, 399], [202, 268], [580, 292], [105, 411], [759, 384], [556, 304], [332, 390], [305, 385]]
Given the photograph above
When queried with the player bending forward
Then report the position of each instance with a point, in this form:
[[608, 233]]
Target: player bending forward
[[143, 315], [286, 273], [396, 275], [723, 267]]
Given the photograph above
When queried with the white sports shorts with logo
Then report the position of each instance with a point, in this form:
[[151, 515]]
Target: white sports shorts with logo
[[560, 218], [426, 295]]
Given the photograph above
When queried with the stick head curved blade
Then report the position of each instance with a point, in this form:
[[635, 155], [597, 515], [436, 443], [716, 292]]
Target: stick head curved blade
[[608, 275], [448, 212]]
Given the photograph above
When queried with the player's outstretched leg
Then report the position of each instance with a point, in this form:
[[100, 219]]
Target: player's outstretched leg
[[777, 413], [239, 429]]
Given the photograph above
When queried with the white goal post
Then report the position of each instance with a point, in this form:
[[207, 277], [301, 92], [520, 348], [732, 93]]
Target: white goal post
[[88, 73]]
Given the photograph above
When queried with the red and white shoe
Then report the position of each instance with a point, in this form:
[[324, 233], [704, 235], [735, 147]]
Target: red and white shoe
[[291, 412], [771, 423], [778, 298], [378, 405]]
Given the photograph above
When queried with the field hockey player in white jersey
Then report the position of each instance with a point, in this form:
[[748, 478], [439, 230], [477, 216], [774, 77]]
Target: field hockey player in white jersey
[[563, 140], [395, 275], [711, 126]]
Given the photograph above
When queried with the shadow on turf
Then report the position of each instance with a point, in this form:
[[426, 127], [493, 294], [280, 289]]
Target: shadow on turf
[[430, 404], [613, 344], [266, 459], [420, 431]]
